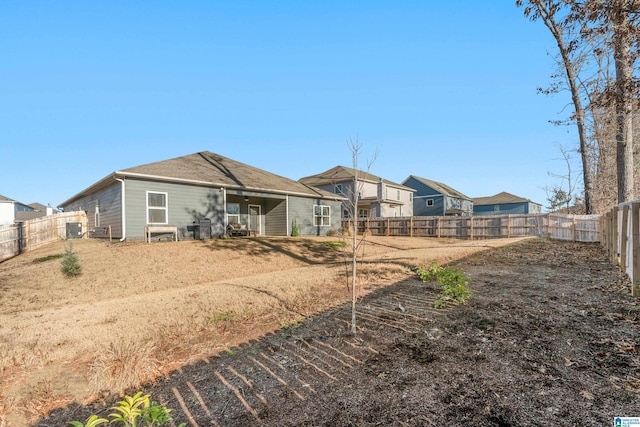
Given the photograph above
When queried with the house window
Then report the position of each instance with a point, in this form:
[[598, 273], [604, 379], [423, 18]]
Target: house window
[[429, 202], [496, 208], [398, 195], [156, 208], [321, 215], [363, 213], [410, 197], [233, 213], [338, 189]]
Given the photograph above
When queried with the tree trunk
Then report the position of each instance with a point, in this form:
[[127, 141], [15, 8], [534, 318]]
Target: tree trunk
[[624, 102], [569, 67]]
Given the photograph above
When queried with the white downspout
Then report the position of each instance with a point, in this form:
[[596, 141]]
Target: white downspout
[[124, 216], [224, 211]]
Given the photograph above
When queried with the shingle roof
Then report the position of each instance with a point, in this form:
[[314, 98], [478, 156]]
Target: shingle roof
[[5, 199], [342, 174], [206, 168], [440, 187], [29, 215], [500, 198]]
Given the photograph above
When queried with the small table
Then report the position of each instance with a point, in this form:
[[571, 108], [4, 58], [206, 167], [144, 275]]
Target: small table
[[149, 229]]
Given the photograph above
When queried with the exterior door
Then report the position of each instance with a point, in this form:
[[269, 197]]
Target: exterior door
[[254, 218]]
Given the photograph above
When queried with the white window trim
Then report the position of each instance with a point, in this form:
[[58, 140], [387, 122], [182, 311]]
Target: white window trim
[[166, 207], [315, 224], [430, 202], [226, 211]]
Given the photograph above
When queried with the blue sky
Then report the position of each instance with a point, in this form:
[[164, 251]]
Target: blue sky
[[442, 90]]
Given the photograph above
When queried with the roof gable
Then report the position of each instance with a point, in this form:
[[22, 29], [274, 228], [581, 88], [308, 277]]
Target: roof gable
[[439, 187], [6, 199], [340, 174], [206, 168], [500, 199]]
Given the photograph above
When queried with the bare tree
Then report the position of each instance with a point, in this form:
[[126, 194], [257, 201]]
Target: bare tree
[[617, 23], [622, 41], [548, 11], [557, 196], [588, 33], [353, 196]]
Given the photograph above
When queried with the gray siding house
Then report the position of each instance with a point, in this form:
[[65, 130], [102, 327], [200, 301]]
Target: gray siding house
[[378, 197], [504, 204], [434, 198], [184, 190]]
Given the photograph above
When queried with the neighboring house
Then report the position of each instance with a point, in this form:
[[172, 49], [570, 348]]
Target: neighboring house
[[377, 197], [12, 211], [37, 210], [434, 198], [504, 204], [7, 211], [204, 186]]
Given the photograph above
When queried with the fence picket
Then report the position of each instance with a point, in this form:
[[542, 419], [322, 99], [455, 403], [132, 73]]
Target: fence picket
[[581, 228], [33, 234]]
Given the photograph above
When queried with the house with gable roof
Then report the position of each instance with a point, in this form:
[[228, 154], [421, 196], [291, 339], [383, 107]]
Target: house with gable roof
[[434, 198], [12, 211], [505, 204], [183, 191], [7, 211], [377, 197]]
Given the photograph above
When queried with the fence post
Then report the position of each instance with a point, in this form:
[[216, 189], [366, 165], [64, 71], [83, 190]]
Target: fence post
[[635, 260], [624, 236], [20, 230], [616, 236], [438, 225]]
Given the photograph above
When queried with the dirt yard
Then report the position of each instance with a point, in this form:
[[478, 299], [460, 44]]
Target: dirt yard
[[142, 311], [550, 338]]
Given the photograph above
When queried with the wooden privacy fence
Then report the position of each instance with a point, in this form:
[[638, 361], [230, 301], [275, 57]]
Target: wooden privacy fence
[[621, 239], [581, 228], [29, 235]]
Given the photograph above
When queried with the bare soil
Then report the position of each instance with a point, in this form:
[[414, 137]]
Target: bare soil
[[141, 311], [550, 338]]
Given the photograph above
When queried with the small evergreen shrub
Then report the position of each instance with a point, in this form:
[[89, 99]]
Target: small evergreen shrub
[[295, 230], [70, 263]]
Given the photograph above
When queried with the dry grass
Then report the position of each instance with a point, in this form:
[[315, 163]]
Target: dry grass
[[40, 399], [125, 363], [141, 309]]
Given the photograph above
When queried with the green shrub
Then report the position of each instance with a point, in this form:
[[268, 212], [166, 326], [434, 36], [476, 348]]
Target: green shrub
[[47, 258], [295, 230], [70, 263], [453, 283], [337, 244]]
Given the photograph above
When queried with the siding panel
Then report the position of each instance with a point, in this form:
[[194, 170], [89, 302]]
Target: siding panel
[[109, 200], [301, 209], [187, 204], [275, 218]]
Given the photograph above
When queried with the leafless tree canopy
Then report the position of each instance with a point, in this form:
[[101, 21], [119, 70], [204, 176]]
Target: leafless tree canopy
[[598, 43]]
